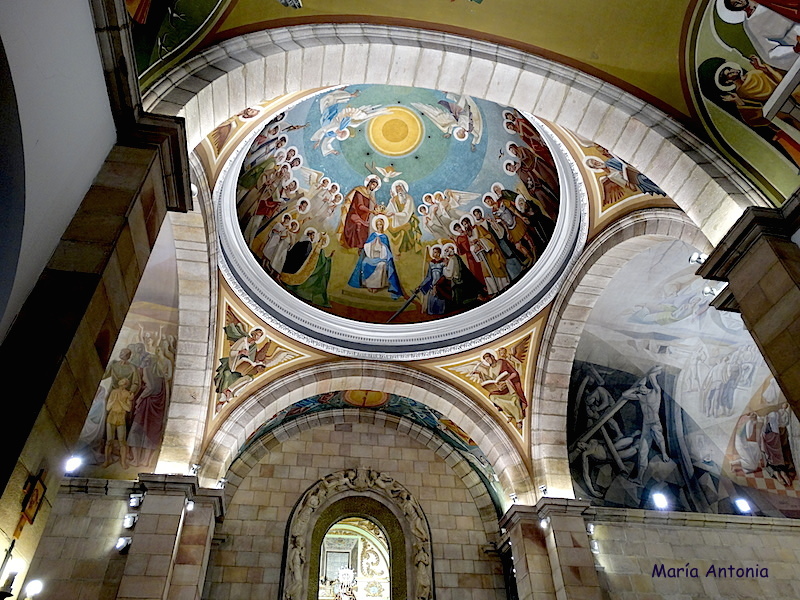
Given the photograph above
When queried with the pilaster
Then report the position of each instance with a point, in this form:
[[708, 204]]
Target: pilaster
[[761, 264], [170, 543], [551, 550]]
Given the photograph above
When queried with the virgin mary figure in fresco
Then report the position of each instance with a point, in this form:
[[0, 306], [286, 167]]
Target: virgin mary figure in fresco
[[375, 268]]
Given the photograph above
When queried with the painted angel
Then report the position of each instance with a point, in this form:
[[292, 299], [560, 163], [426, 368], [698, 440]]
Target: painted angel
[[451, 200], [340, 127], [457, 117]]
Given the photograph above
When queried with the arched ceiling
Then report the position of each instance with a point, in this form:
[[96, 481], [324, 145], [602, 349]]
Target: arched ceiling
[[664, 53], [581, 33]]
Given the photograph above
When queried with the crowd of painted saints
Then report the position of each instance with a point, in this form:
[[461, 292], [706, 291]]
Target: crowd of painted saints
[[126, 420], [471, 246]]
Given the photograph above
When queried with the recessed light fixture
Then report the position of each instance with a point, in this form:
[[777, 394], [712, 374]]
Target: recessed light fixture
[[660, 501]]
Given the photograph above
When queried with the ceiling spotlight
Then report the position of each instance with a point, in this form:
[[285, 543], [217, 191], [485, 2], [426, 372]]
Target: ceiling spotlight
[[594, 547], [742, 505], [33, 588], [543, 490], [543, 523], [190, 505], [72, 464], [709, 291], [135, 500], [660, 501], [698, 258], [590, 528], [513, 497], [194, 470], [122, 545]]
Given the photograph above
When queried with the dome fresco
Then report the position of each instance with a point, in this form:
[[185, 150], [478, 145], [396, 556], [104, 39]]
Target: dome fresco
[[386, 204]]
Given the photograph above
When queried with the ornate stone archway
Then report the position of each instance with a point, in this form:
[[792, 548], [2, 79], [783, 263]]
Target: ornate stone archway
[[503, 455], [372, 485]]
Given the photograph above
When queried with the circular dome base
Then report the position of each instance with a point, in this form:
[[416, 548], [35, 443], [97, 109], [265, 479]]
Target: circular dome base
[[412, 259]]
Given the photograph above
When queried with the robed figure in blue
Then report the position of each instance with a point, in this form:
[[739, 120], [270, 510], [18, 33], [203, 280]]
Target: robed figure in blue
[[375, 268]]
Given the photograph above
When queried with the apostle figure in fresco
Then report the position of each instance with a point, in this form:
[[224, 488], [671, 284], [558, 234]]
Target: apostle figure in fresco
[[772, 27], [310, 281], [299, 252], [505, 212], [494, 230], [775, 445], [403, 221], [241, 360], [357, 211], [458, 287], [749, 90], [488, 255], [277, 245], [434, 303], [504, 386], [375, 269], [463, 247]]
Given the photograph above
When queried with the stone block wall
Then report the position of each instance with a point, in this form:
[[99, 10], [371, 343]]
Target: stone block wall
[[631, 543], [247, 561], [76, 558]]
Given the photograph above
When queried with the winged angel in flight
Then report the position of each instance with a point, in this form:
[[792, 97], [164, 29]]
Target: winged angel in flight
[[454, 116], [338, 119]]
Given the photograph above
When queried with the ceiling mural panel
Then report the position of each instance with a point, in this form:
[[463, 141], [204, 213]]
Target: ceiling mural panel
[[745, 87], [366, 210], [668, 394], [125, 425], [603, 45], [386, 204], [249, 354], [615, 187]]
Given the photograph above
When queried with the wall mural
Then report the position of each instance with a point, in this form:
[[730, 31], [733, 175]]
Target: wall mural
[[392, 204], [669, 394], [745, 87], [125, 424], [424, 416]]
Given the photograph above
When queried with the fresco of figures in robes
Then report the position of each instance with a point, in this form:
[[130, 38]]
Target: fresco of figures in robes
[[125, 424], [391, 204], [669, 394], [245, 354], [742, 55], [443, 428]]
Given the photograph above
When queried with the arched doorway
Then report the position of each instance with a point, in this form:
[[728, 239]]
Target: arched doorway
[[367, 538], [365, 494]]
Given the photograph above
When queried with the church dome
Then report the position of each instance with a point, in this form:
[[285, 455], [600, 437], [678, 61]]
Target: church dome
[[397, 223]]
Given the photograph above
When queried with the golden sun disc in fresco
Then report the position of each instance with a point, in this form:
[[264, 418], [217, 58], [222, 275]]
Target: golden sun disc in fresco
[[365, 398], [397, 133]]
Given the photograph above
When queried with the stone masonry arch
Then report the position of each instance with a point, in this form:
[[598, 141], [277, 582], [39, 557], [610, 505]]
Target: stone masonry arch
[[225, 79], [598, 264], [255, 452], [245, 420]]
